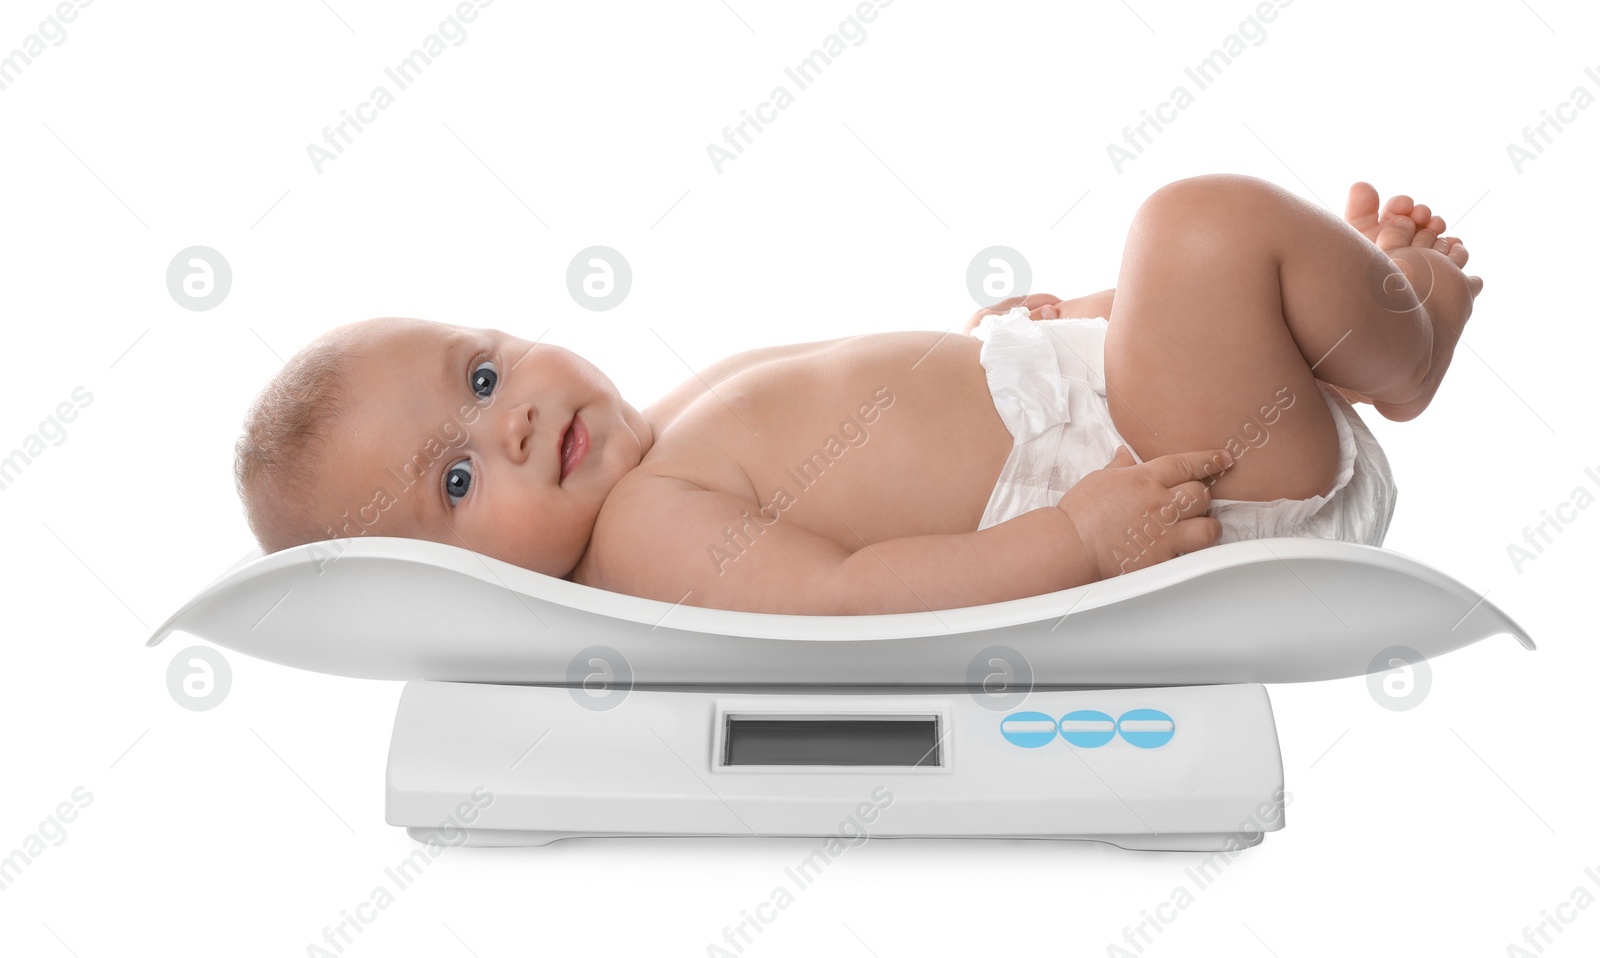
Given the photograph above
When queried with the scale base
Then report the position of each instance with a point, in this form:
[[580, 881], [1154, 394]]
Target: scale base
[[1191, 768], [511, 838]]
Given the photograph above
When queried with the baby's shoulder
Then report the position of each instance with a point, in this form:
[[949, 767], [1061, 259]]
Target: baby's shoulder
[[640, 539]]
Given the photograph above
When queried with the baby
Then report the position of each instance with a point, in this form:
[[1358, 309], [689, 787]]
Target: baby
[[1208, 399]]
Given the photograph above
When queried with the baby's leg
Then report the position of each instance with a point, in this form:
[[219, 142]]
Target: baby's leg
[[1231, 290]]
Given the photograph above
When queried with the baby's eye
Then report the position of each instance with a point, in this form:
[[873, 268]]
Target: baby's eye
[[457, 479], [484, 378]]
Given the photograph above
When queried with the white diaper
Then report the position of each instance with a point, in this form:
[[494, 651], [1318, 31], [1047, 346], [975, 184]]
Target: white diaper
[[1053, 402]]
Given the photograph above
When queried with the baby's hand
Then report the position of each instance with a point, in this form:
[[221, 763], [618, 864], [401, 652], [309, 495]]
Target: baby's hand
[[1037, 304], [1162, 500]]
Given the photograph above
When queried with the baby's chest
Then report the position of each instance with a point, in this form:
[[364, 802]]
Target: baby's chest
[[876, 445]]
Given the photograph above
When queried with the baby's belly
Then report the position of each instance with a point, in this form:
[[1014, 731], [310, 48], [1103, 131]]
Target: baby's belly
[[861, 440]]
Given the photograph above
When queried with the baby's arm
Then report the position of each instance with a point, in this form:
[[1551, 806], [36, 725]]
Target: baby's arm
[[669, 539]]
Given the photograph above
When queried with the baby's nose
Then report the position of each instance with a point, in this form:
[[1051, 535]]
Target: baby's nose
[[518, 430]]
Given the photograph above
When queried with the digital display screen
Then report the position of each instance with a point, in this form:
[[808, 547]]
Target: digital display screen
[[762, 740]]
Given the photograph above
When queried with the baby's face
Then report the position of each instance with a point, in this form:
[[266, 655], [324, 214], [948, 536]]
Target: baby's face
[[461, 436]]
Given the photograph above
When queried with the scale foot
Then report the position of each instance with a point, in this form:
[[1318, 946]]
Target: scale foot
[[1173, 842]]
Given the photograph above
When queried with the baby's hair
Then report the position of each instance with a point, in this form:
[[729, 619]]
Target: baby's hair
[[285, 434]]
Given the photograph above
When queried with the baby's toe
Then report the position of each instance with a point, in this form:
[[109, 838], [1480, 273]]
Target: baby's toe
[[1457, 251], [1429, 226], [1361, 209], [1397, 206], [1395, 232]]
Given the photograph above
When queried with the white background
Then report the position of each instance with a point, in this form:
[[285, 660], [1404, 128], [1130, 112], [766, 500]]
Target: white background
[[246, 829]]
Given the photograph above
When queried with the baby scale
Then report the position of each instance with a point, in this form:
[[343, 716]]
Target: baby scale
[[1131, 711]]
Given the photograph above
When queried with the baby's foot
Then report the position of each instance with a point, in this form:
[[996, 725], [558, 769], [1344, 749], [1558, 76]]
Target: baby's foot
[[1399, 223], [1404, 225]]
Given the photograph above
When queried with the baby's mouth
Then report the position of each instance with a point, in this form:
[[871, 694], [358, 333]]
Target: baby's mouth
[[564, 447], [574, 443]]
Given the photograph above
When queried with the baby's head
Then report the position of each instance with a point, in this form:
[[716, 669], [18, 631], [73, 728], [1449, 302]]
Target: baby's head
[[403, 427]]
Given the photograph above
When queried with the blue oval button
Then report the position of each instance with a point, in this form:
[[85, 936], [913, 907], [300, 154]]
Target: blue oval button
[[1087, 728], [1028, 729], [1146, 728]]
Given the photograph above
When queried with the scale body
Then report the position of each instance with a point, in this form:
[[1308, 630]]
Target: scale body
[[1147, 724], [1186, 768]]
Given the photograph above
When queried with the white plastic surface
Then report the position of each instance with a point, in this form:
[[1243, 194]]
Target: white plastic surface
[[1267, 610], [523, 765]]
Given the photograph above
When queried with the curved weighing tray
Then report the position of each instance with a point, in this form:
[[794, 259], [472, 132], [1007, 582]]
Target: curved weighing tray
[[1263, 610]]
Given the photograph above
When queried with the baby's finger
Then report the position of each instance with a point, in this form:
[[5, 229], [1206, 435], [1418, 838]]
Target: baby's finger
[[1041, 306], [1192, 498], [1122, 457], [1179, 467], [998, 309], [1031, 301], [1192, 535]]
